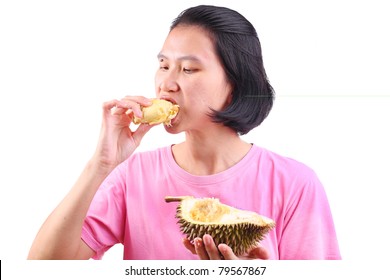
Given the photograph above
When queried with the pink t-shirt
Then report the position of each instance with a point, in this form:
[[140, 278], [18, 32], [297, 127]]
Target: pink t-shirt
[[129, 207]]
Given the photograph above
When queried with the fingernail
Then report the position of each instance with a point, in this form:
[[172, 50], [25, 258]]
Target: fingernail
[[138, 113], [198, 242], [209, 239]]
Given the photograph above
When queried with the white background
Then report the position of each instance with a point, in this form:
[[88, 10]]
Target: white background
[[327, 60]]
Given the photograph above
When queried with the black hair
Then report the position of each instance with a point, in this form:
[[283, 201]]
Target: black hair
[[238, 47]]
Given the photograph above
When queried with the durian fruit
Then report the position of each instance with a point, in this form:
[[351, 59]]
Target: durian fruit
[[239, 229], [161, 111]]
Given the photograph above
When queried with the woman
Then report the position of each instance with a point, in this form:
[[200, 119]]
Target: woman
[[211, 66]]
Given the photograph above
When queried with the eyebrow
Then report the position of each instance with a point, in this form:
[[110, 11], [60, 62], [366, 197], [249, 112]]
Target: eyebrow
[[181, 58]]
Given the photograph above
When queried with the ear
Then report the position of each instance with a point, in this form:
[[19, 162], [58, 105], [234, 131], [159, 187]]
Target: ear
[[229, 98]]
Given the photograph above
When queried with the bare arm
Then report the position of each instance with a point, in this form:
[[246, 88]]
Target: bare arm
[[60, 235]]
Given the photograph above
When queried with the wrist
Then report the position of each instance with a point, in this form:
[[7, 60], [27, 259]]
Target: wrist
[[100, 166]]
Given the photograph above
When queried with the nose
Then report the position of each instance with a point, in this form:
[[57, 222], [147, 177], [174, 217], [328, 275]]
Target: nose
[[167, 82]]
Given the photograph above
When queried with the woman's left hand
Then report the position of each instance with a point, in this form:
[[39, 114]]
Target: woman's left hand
[[207, 250]]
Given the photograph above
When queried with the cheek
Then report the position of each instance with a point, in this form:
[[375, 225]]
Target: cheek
[[156, 82], [220, 97], [199, 96], [204, 96]]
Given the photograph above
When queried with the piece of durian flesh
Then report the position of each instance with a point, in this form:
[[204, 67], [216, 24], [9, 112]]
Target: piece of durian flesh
[[161, 111], [240, 229]]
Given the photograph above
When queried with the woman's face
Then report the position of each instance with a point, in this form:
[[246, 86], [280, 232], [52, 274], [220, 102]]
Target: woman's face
[[191, 75]]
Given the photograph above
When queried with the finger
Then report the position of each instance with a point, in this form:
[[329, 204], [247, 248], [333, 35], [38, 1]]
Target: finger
[[187, 243], [116, 107], [140, 132], [134, 103], [109, 105], [118, 111], [211, 248], [227, 252], [200, 250], [259, 253], [130, 106], [142, 100], [127, 105]]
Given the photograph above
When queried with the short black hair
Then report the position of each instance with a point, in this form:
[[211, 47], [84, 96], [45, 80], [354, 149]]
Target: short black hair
[[238, 47]]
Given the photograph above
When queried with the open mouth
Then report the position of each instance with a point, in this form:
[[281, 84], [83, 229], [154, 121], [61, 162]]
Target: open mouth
[[173, 101]]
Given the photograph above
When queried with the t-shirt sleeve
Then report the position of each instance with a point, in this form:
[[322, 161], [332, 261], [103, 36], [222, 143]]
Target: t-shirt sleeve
[[308, 230], [104, 224]]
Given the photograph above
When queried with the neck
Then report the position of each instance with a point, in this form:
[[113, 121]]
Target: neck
[[210, 152]]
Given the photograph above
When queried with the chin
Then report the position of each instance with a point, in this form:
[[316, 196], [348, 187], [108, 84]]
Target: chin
[[172, 129]]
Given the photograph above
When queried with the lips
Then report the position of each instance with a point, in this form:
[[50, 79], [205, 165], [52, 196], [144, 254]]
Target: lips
[[170, 99]]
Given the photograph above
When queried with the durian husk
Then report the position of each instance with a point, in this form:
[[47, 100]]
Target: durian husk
[[161, 111], [240, 229]]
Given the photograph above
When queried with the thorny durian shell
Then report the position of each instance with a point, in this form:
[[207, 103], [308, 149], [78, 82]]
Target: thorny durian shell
[[161, 111], [241, 234]]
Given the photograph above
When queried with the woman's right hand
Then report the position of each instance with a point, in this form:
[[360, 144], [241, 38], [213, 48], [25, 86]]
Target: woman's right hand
[[117, 141]]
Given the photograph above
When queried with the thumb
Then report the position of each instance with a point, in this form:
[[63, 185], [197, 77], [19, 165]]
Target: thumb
[[140, 132]]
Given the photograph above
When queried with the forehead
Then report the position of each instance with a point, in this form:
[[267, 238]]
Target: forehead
[[189, 41]]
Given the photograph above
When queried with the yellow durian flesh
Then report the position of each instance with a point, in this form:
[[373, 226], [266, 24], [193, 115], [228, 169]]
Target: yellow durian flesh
[[240, 229], [161, 111]]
